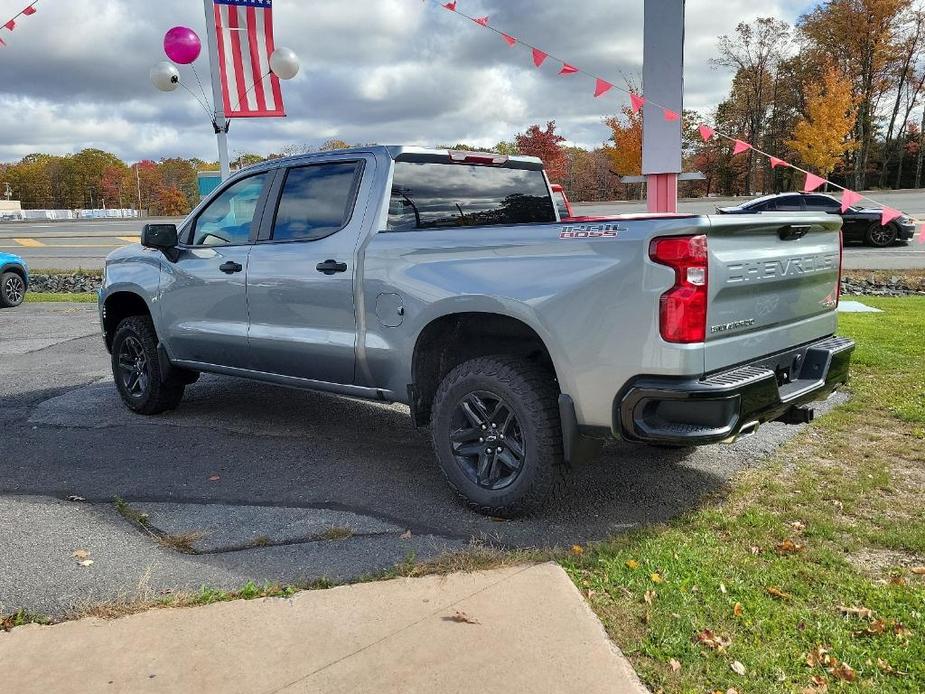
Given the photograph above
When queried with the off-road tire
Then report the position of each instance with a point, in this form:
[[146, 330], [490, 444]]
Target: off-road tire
[[531, 394], [12, 290], [159, 394], [881, 236]]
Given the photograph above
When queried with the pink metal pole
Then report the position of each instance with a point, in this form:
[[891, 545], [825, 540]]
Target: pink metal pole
[[662, 192]]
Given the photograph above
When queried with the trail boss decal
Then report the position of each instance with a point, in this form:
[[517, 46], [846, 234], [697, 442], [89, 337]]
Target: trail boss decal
[[590, 231]]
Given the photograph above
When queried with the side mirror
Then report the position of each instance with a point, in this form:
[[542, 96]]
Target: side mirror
[[162, 237]]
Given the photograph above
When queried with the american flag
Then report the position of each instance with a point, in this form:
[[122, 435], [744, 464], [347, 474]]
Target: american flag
[[245, 44]]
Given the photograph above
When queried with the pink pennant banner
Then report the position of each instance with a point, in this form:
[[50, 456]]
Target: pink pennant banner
[[637, 102], [508, 39], [777, 163], [568, 69], [451, 6], [812, 182], [740, 147], [602, 87], [671, 116], [539, 57], [922, 234], [29, 11], [849, 198], [706, 132], [481, 20], [888, 215], [10, 25]]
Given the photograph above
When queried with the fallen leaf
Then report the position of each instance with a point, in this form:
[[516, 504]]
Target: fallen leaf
[[214, 478], [918, 570], [632, 564], [737, 668], [799, 526], [901, 630], [461, 618], [778, 593], [722, 588], [86, 562], [674, 664], [788, 547], [657, 578], [862, 612], [738, 610], [577, 550], [875, 628], [80, 554], [713, 641], [885, 666], [405, 535], [649, 596], [897, 581], [754, 549], [843, 672], [818, 657]]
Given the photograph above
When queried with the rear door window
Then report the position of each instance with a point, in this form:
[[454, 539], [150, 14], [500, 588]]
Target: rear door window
[[316, 201], [823, 203], [790, 203], [433, 195]]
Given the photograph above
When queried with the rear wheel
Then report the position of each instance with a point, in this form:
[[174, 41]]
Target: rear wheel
[[880, 236], [137, 371], [12, 289], [497, 434]]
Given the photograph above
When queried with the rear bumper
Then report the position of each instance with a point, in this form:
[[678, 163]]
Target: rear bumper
[[725, 405]]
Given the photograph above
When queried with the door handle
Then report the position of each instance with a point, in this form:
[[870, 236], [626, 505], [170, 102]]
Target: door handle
[[231, 267], [330, 267]]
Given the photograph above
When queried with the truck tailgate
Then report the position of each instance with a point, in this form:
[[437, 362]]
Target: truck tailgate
[[773, 284]]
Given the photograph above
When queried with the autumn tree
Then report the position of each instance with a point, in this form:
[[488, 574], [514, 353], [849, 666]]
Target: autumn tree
[[545, 144], [861, 37], [754, 52], [625, 153], [824, 135]]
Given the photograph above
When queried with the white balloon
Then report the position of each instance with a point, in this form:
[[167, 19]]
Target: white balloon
[[165, 76], [284, 63]]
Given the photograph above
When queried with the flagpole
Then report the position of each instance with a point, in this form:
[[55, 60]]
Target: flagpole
[[219, 121]]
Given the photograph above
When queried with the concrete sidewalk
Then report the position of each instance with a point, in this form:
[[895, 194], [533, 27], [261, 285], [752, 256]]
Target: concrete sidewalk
[[523, 629]]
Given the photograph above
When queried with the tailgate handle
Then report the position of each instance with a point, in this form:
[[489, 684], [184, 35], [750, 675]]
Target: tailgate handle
[[792, 232]]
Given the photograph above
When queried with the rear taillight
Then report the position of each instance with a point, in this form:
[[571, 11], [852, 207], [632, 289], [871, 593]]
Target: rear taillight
[[683, 308], [485, 158]]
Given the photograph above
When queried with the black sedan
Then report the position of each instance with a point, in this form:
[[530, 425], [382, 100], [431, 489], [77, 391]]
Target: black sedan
[[860, 223]]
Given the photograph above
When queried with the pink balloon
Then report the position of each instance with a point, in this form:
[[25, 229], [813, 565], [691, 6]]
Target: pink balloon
[[182, 45]]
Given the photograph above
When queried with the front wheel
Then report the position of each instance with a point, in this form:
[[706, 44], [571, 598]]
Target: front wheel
[[880, 236], [497, 434], [12, 290], [137, 371]]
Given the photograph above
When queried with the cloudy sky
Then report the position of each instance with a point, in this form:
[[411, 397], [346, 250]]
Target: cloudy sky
[[75, 74]]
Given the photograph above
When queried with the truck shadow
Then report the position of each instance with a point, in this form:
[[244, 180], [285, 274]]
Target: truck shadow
[[273, 446]]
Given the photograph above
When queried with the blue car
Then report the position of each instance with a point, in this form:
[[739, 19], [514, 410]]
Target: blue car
[[14, 280]]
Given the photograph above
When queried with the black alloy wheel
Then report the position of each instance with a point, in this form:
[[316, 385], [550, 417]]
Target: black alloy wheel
[[881, 236], [487, 440], [134, 370]]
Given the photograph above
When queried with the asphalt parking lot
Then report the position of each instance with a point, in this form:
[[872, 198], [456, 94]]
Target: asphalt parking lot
[[253, 482]]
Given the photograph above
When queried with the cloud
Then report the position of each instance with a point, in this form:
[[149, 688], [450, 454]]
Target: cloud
[[75, 74]]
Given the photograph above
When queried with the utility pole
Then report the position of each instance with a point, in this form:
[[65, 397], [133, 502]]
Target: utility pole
[[662, 83], [138, 187], [219, 122]]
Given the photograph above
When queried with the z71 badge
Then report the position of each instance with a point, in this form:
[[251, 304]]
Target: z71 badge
[[591, 231]]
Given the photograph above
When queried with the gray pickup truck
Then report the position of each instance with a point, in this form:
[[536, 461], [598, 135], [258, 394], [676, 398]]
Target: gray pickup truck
[[448, 282]]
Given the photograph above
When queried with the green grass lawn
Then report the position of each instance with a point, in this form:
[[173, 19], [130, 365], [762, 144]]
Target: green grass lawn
[[81, 298], [806, 574]]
